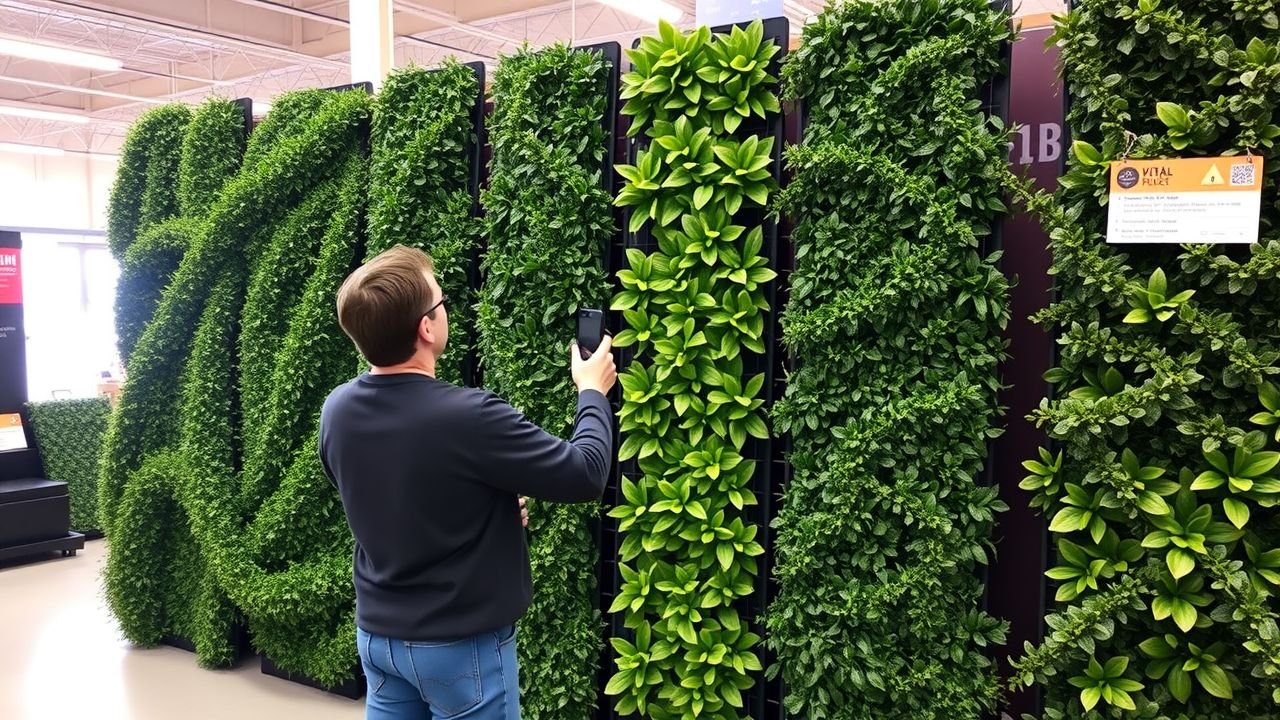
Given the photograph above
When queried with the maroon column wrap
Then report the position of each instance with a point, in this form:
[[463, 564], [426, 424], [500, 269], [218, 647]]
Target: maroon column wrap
[[1016, 580]]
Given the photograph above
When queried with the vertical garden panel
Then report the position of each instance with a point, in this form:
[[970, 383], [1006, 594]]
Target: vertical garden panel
[[154, 596], [424, 178], [695, 300], [894, 324], [1161, 491], [167, 572], [549, 220]]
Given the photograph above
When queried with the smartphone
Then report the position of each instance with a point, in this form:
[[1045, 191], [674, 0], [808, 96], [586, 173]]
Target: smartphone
[[590, 331]]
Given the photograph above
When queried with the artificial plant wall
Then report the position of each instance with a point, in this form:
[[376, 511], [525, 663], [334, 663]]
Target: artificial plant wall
[[1161, 489], [894, 325], [147, 417], [694, 301], [548, 220], [144, 196], [69, 433], [184, 561], [157, 583], [421, 188]]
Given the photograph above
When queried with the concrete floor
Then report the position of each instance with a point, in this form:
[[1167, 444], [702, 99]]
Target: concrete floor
[[62, 658]]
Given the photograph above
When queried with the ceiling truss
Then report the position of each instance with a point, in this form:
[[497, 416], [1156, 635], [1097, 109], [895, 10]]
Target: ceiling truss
[[187, 50]]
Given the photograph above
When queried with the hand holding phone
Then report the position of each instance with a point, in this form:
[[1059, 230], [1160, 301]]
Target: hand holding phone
[[590, 331], [593, 366]]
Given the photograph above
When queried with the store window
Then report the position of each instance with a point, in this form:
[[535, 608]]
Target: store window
[[69, 287]]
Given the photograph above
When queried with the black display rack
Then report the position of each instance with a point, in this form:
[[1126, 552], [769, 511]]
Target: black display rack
[[995, 104], [764, 699], [471, 369], [603, 528], [353, 688]]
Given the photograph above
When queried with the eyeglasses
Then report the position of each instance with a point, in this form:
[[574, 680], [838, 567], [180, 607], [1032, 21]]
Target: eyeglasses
[[433, 307]]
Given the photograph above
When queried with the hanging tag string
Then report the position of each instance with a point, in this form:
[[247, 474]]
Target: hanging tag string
[[1131, 139]]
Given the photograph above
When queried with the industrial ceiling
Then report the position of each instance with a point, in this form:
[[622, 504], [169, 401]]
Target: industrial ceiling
[[184, 50]]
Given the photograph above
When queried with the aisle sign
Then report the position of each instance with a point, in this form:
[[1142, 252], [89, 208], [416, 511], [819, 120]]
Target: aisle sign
[[1186, 200], [12, 436]]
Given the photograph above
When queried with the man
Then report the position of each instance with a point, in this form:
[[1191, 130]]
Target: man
[[430, 475]]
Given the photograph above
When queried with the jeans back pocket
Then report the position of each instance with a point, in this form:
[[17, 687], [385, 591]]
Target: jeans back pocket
[[448, 675]]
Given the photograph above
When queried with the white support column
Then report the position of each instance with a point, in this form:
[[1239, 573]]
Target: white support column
[[372, 40]]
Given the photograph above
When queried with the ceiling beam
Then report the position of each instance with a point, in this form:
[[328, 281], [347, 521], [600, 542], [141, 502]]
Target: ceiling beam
[[214, 38], [448, 20], [80, 90], [340, 22], [295, 12]]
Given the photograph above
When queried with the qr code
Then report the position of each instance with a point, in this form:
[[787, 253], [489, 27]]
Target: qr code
[[1242, 175]]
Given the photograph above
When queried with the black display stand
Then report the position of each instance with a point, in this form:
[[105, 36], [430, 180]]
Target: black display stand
[[35, 519], [35, 513], [238, 638], [472, 373], [353, 688]]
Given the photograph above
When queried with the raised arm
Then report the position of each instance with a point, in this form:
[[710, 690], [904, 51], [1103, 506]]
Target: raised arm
[[515, 455]]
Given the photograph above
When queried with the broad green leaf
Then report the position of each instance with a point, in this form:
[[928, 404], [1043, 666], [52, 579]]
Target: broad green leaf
[[1237, 512], [1214, 679], [1184, 614], [1179, 683], [1180, 562]]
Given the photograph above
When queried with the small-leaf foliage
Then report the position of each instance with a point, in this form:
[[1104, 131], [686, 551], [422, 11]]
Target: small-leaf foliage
[[894, 326], [420, 192], [548, 220]]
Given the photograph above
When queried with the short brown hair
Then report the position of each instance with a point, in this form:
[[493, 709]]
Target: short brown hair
[[381, 304]]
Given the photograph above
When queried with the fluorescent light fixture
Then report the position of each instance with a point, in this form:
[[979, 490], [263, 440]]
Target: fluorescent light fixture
[[31, 149], [647, 10], [59, 55], [37, 114]]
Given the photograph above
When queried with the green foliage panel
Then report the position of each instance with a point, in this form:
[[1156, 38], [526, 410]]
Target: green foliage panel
[[695, 310], [548, 221], [144, 195], [420, 187], [272, 525], [1161, 491], [894, 325], [69, 435], [146, 419], [184, 560]]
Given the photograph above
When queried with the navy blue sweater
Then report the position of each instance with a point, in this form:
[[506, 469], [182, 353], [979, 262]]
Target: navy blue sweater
[[429, 475]]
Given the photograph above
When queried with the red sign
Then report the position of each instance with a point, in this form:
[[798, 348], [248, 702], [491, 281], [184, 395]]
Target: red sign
[[10, 276]]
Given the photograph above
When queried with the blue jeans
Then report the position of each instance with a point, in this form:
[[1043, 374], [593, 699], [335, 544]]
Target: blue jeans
[[475, 678]]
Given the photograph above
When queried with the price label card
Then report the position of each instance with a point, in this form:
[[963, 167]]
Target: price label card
[[12, 436], [1186, 200]]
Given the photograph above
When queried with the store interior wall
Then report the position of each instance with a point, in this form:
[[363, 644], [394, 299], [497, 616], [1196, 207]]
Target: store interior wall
[[59, 205]]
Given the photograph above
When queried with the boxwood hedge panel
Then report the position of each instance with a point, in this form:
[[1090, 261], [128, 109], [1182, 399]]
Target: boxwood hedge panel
[[547, 222], [146, 419], [894, 325], [145, 194], [288, 568], [198, 318], [69, 434]]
